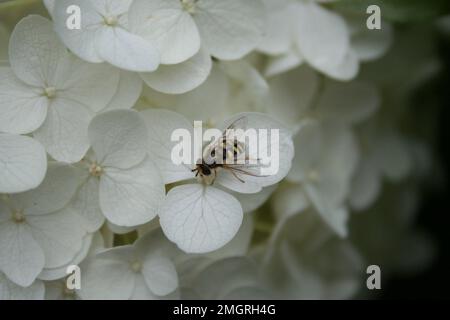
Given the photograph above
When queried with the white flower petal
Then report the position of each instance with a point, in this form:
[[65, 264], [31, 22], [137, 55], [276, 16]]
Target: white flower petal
[[322, 36], [60, 235], [64, 132], [92, 85], [128, 92], [230, 29], [23, 163], [82, 42], [161, 124], [53, 193], [160, 275], [22, 258], [141, 290], [278, 37], [131, 197], [308, 145], [232, 273], [49, 274], [182, 77], [350, 103], [196, 104], [366, 185], [335, 217], [126, 50], [346, 70], [22, 108], [86, 204], [11, 291], [393, 156], [106, 280], [370, 45], [290, 199], [200, 219], [168, 26], [119, 138], [283, 63], [292, 93], [253, 201], [35, 51]]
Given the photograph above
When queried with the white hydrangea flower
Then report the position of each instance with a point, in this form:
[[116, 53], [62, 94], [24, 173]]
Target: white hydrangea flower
[[23, 163], [238, 277], [119, 178], [302, 93], [305, 260], [199, 217], [105, 36], [326, 159], [11, 291], [188, 32], [228, 30], [232, 87], [385, 153], [59, 272], [56, 281], [140, 271], [49, 92], [304, 31], [37, 230]]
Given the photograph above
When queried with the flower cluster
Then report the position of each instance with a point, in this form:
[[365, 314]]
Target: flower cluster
[[86, 176]]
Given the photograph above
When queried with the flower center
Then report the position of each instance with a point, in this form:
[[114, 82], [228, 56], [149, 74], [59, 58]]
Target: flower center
[[189, 5], [136, 266], [18, 216], [50, 92], [111, 21], [95, 170], [313, 175]]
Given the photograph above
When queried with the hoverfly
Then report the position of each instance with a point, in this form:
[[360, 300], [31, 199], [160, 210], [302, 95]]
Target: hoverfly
[[217, 153]]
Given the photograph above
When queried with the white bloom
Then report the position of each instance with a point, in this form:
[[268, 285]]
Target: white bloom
[[141, 271], [57, 289], [238, 278], [304, 31], [384, 154], [11, 291], [188, 32], [182, 77], [23, 163], [104, 35], [228, 30], [119, 178], [305, 260], [37, 230], [199, 217], [232, 87], [327, 156], [49, 92], [128, 92]]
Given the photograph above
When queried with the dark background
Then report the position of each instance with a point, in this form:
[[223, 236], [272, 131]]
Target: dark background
[[434, 212]]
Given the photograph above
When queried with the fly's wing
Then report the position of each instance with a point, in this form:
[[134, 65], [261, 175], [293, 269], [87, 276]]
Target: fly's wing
[[229, 145]]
